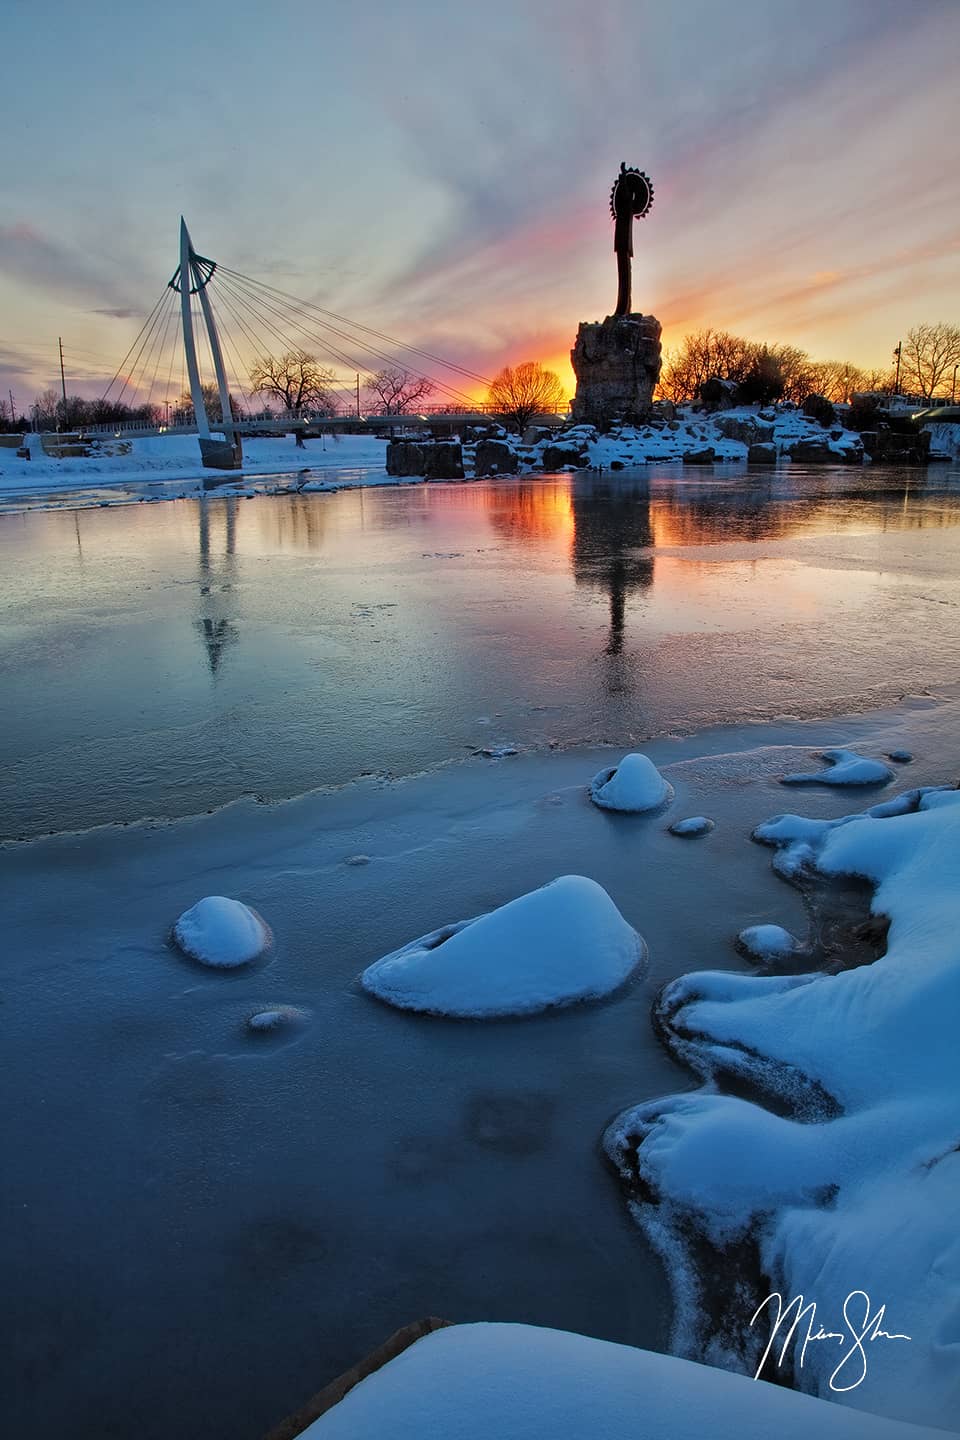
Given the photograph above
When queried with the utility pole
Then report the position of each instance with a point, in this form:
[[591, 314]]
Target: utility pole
[[953, 392], [63, 382], [13, 412], [358, 394], [898, 352]]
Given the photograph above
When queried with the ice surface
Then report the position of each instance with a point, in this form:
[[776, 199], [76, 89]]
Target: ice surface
[[693, 825], [634, 785], [845, 767], [767, 942], [862, 1195], [221, 932], [562, 943], [518, 1382]]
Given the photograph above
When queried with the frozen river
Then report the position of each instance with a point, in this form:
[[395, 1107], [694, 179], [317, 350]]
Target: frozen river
[[165, 659], [201, 1226]]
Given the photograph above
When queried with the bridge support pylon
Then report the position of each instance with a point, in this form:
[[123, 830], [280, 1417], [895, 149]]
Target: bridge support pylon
[[192, 277]]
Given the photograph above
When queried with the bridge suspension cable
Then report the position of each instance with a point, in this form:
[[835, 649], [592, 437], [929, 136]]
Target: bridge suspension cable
[[245, 321]]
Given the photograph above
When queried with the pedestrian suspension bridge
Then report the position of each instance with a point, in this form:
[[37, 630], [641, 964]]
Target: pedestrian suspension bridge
[[213, 326]]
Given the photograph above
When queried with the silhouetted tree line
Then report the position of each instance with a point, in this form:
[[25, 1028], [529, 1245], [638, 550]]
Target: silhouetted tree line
[[759, 373]]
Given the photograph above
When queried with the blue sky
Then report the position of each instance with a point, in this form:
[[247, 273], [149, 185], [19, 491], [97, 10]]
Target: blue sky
[[441, 170]]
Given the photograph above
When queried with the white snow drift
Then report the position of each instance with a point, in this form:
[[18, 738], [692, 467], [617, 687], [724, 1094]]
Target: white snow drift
[[564, 942], [634, 785], [844, 767], [222, 932], [518, 1382], [861, 1196]]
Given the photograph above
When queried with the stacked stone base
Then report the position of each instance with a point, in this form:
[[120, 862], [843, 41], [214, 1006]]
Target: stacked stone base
[[617, 365]]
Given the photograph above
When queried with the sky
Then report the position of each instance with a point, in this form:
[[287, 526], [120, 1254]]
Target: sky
[[441, 171]]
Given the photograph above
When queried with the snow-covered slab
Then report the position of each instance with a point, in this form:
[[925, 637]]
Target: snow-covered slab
[[635, 785], [221, 932], [841, 1176], [844, 767], [518, 1382], [551, 947]]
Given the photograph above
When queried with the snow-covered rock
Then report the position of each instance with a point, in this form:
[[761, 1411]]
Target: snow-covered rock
[[693, 825], [767, 943], [562, 943], [221, 932], [902, 757], [634, 785], [844, 767], [277, 1018], [519, 1382]]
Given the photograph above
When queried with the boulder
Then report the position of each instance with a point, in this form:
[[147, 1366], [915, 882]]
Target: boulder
[[705, 456], [819, 408], [762, 453], [745, 428], [564, 457], [718, 394], [812, 452], [444, 460], [405, 457], [438, 460], [495, 457]]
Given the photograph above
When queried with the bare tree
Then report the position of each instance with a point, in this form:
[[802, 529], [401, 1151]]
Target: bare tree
[[929, 354], [183, 412], [296, 379], [398, 389], [523, 391]]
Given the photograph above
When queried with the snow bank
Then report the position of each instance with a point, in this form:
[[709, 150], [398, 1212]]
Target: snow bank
[[221, 932], [634, 785], [845, 767], [564, 942], [853, 1185], [517, 1382]]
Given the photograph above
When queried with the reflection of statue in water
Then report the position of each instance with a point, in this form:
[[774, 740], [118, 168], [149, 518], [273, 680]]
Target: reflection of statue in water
[[612, 548], [216, 631]]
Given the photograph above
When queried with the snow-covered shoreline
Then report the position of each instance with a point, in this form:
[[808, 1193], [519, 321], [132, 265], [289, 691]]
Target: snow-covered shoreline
[[169, 465], [520, 1106]]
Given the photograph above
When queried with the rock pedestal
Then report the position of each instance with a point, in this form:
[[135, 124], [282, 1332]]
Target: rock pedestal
[[617, 365]]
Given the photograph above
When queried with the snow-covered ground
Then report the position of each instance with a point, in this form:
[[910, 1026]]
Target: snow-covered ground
[[156, 458], [514, 1382]]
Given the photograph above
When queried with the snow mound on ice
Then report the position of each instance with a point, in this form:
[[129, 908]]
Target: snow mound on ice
[[850, 1180], [845, 767], [221, 932], [277, 1018], [478, 1382], [634, 785], [767, 942], [564, 942], [902, 757], [694, 825]]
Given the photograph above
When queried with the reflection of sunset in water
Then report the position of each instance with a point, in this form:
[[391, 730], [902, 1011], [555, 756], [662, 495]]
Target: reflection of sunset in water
[[283, 642]]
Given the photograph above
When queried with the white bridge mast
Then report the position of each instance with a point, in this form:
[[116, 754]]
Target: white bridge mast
[[192, 278]]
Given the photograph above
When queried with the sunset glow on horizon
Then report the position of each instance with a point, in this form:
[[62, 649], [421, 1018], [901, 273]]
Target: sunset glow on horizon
[[446, 179]]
